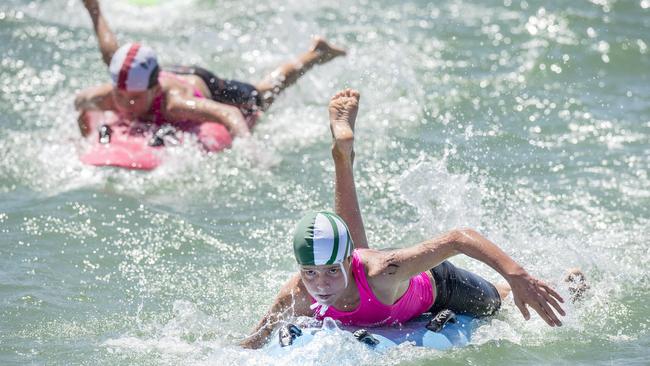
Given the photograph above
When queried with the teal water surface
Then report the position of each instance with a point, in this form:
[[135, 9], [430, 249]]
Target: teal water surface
[[526, 120]]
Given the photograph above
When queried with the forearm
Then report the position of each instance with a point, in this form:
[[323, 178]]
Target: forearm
[[84, 128], [232, 118], [474, 245], [203, 110], [526, 289], [346, 203], [266, 326], [105, 37], [258, 338], [291, 301], [426, 255], [252, 342], [84, 103]]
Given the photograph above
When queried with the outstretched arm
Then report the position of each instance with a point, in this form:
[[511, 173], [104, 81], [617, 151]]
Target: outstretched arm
[[205, 110], [343, 109], [291, 301], [526, 289], [107, 41]]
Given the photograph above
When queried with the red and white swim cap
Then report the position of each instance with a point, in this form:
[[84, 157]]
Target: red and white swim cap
[[134, 67]]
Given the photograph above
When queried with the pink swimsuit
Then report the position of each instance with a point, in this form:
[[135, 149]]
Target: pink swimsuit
[[156, 105], [372, 313]]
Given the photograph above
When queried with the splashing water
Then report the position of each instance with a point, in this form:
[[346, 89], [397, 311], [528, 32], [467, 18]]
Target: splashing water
[[526, 120]]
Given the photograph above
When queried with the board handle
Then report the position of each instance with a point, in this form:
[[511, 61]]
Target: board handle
[[288, 333], [440, 320]]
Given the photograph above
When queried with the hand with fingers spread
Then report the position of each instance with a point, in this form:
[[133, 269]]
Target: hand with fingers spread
[[529, 291]]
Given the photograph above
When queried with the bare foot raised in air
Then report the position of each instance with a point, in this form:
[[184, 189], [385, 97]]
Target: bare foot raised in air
[[343, 113], [326, 51]]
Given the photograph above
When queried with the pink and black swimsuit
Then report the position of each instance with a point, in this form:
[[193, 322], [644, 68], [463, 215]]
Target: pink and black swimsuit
[[232, 92], [456, 289]]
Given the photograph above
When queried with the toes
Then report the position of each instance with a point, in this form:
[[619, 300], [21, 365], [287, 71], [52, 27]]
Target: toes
[[345, 99], [349, 92], [352, 93], [339, 94]]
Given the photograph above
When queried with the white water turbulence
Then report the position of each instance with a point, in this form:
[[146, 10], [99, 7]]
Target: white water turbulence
[[528, 121]]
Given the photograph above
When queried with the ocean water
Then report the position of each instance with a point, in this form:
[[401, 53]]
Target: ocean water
[[526, 120]]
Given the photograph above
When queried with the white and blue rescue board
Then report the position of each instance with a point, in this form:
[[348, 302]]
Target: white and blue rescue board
[[452, 335]]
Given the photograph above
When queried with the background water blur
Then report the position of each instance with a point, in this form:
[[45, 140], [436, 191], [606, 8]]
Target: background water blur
[[527, 120]]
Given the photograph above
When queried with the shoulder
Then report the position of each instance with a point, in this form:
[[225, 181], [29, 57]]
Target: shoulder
[[384, 265], [175, 84], [375, 262], [383, 273], [294, 294], [293, 286]]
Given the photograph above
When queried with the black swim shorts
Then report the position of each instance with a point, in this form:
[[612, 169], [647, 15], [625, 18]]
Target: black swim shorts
[[463, 292], [237, 93]]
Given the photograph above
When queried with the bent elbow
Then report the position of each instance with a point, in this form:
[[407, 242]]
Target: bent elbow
[[84, 98], [79, 101], [463, 235], [468, 232], [175, 108]]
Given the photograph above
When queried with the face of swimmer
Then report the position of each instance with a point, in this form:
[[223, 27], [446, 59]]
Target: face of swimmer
[[325, 283], [134, 104]]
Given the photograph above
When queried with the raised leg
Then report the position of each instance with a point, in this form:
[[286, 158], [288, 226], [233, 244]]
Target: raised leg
[[273, 84], [343, 109]]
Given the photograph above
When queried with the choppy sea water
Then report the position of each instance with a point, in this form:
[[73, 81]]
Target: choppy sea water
[[526, 120]]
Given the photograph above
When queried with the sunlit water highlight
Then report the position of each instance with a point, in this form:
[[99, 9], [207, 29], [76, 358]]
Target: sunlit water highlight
[[527, 120]]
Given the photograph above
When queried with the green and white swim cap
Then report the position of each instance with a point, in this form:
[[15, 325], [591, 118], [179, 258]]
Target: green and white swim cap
[[322, 238]]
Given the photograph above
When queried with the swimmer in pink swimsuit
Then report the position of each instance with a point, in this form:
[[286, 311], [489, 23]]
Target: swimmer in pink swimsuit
[[138, 93], [371, 312], [340, 278]]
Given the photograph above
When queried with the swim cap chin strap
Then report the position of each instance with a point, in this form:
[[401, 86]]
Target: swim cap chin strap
[[322, 238]]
